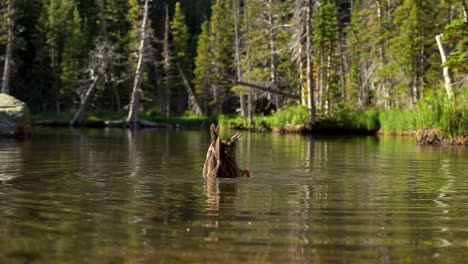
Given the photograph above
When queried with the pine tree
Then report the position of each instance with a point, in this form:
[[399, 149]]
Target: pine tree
[[303, 53], [58, 13], [113, 27], [221, 49], [214, 58], [180, 38], [413, 46], [325, 41], [363, 52], [74, 53], [266, 62], [203, 71], [453, 46]]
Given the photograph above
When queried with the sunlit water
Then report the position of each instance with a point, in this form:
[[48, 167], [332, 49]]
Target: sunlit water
[[113, 196]]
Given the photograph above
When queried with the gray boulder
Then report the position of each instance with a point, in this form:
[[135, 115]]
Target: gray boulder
[[15, 119]]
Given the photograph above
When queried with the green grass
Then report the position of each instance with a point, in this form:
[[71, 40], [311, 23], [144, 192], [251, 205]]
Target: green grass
[[96, 117], [397, 121], [350, 120], [297, 117], [187, 119], [63, 117], [102, 116], [434, 111]]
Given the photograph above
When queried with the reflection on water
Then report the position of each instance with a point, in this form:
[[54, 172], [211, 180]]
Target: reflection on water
[[102, 196]]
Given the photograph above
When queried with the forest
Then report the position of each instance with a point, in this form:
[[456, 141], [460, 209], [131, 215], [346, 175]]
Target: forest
[[392, 64]]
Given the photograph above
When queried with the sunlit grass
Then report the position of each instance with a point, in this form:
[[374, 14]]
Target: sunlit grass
[[433, 111], [294, 117]]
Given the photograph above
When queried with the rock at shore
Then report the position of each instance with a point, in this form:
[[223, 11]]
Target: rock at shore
[[15, 119]]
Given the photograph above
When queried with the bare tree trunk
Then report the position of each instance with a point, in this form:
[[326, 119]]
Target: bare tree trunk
[[446, 70], [117, 98], [85, 99], [268, 89], [9, 50], [327, 85], [302, 68], [237, 57], [216, 98], [319, 102], [273, 55], [310, 63], [132, 118], [342, 67], [382, 87], [58, 109], [167, 66], [193, 103], [249, 94]]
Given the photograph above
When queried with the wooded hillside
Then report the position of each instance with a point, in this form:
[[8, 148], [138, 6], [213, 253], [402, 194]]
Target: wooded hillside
[[247, 56]]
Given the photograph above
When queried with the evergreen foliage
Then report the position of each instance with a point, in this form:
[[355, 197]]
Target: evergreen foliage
[[74, 54], [203, 70], [180, 36], [180, 39]]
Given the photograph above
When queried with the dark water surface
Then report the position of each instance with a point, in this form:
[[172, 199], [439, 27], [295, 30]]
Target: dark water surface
[[112, 196]]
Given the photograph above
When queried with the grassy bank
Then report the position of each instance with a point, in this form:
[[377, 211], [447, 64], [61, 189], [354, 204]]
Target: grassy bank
[[296, 119], [450, 117], [433, 112], [436, 111]]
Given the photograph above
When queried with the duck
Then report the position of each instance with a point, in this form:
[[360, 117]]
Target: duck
[[220, 159]]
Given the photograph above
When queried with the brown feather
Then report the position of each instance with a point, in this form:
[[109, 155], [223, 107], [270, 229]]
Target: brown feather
[[221, 157]]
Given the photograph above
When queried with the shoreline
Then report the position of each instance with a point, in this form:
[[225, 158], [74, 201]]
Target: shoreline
[[425, 137]]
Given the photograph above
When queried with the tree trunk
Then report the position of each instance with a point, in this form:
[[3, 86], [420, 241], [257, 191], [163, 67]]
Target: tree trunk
[[117, 99], [247, 55], [446, 70], [319, 102], [273, 55], [269, 90], [302, 70], [383, 86], [237, 57], [79, 114], [329, 97], [105, 34], [9, 50], [166, 100], [310, 63], [132, 118], [342, 67], [193, 103]]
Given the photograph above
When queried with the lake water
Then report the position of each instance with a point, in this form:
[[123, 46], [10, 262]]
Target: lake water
[[116, 196]]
